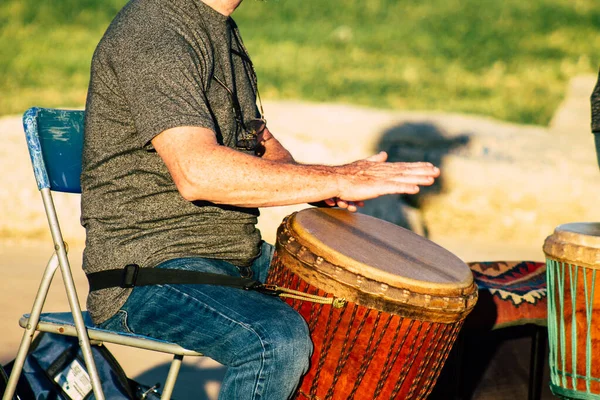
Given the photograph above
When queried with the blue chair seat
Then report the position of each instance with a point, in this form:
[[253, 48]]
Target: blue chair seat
[[63, 323]]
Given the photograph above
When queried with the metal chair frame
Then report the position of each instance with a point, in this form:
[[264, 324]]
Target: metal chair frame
[[67, 125]]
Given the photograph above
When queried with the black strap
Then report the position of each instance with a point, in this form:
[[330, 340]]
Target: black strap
[[132, 275]]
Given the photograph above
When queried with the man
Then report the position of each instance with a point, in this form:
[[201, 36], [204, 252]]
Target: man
[[176, 162]]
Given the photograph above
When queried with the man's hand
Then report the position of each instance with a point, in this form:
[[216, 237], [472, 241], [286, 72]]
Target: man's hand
[[351, 206], [378, 179], [374, 177]]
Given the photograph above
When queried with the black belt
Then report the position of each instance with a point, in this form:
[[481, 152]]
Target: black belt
[[132, 275]]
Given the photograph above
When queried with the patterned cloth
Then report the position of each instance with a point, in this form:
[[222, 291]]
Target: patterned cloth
[[511, 293]]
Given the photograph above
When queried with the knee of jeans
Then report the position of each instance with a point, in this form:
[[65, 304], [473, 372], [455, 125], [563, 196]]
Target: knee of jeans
[[292, 342], [284, 341]]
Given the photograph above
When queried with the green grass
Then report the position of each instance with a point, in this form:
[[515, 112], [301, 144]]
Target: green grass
[[509, 59]]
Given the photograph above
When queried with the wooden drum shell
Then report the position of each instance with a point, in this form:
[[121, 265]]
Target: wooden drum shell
[[573, 279], [388, 342]]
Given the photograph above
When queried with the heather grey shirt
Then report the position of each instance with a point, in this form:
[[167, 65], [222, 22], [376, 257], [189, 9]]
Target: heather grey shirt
[[153, 70]]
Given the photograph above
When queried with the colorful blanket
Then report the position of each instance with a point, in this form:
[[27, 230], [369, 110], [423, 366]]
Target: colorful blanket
[[510, 293]]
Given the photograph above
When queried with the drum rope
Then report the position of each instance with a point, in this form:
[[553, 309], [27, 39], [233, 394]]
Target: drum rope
[[345, 352], [419, 348], [560, 377], [589, 305], [573, 322], [437, 333], [561, 286], [405, 367], [443, 344], [298, 286], [550, 282], [329, 334], [390, 363], [336, 302], [313, 314], [372, 351]]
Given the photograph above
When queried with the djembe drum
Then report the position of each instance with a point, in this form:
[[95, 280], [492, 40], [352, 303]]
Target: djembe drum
[[573, 279], [403, 300]]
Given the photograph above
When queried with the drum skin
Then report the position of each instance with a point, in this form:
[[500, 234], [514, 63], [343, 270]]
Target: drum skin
[[573, 278], [393, 336]]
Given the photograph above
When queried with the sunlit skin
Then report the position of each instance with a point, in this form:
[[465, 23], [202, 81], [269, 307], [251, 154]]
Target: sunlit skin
[[204, 170]]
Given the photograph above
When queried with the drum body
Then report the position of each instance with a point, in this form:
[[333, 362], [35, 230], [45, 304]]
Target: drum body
[[573, 278], [406, 300]]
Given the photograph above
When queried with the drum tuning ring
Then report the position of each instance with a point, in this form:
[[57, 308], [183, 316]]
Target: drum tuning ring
[[405, 296]]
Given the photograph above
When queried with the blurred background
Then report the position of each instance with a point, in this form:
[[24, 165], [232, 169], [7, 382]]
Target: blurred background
[[509, 59], [494, 92]]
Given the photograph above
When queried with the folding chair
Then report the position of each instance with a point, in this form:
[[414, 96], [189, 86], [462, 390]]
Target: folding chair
[[55, 142]]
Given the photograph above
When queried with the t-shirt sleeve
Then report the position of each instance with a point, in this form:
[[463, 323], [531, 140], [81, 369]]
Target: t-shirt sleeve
[[164, 83]]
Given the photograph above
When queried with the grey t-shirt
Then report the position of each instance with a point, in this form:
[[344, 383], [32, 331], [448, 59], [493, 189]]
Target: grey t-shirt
[[153, 70]]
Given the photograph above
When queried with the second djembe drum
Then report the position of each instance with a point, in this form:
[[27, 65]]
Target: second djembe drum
[[400, 301], [573, 279]]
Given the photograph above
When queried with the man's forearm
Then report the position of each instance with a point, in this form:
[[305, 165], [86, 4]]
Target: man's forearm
[[238, 179], [204, 170]]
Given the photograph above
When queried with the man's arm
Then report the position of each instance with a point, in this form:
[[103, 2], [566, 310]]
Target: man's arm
[[271, 149], [204, 170]]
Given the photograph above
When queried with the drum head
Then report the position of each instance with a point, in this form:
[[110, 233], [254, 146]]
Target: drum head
[[371, 248], [575, 243]]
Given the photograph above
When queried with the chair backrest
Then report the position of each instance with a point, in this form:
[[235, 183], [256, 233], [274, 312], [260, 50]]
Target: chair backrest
[[55, 142]]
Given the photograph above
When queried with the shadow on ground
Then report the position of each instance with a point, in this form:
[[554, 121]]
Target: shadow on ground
[[414, 142]]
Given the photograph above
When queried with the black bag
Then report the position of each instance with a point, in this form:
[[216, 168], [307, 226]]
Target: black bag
[[55, 369]]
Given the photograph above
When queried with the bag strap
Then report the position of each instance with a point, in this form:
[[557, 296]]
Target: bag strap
[[132, 275]]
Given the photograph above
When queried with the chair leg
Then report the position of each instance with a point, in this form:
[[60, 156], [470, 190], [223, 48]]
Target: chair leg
[[69, 284], [536, 367], [34, 318], [172, 377]]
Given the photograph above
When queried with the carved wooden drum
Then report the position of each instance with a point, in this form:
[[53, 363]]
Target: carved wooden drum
[[405, 300], [573, 279]]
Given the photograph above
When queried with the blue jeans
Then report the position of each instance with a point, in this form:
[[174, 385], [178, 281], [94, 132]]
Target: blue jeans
[[264, 343]]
